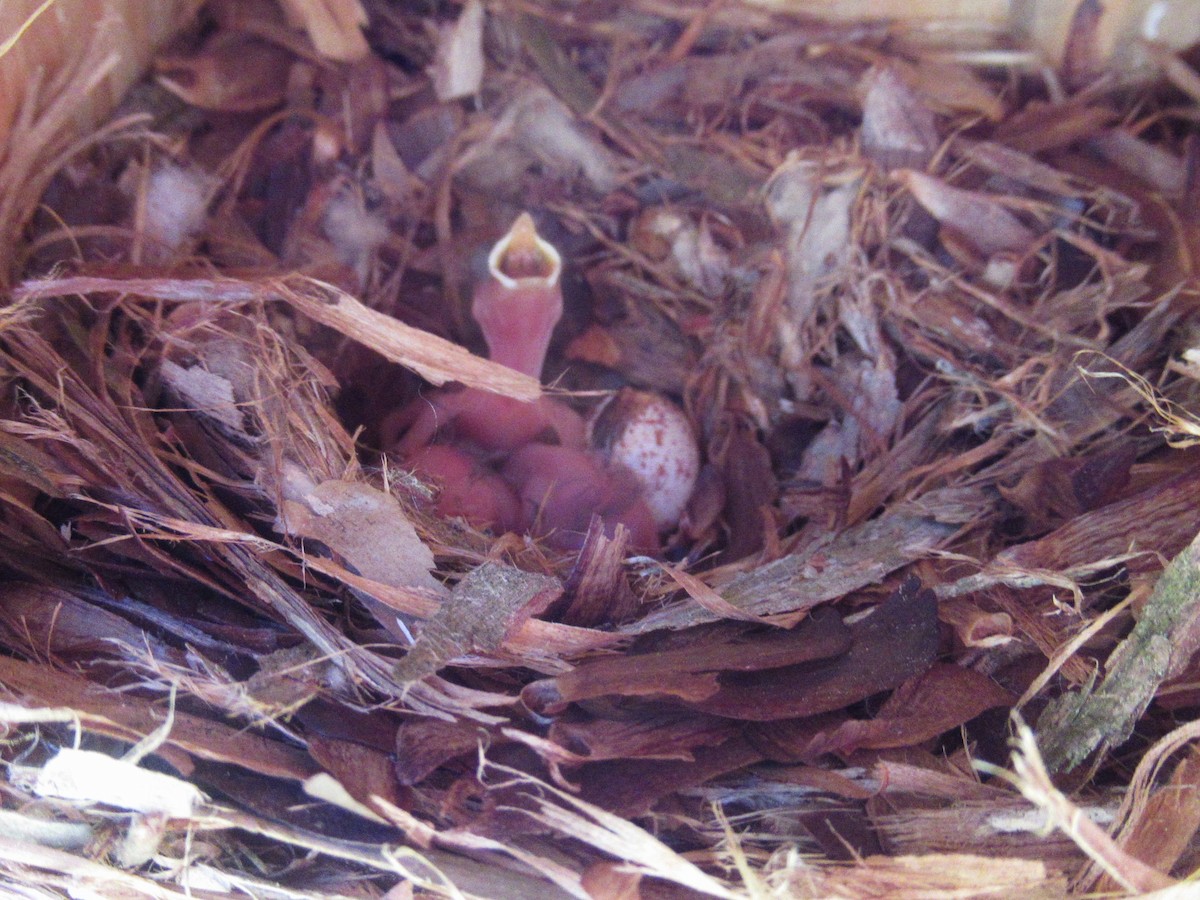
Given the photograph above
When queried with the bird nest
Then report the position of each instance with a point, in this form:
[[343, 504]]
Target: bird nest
[[925, 624]]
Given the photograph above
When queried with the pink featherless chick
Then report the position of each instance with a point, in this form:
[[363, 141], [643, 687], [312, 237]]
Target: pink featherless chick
[[560, 489], [468, 487], [517, 307], [547, 481]]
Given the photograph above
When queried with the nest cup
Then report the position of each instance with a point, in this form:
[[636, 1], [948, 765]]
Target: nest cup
[[525, 722]]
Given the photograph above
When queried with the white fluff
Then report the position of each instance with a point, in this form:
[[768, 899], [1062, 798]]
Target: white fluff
[[176, 207]]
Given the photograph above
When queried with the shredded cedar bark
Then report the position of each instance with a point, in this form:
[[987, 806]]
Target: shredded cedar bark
[[929, 311]]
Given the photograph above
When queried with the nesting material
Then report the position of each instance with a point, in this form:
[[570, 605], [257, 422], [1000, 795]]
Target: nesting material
[[175, 210], [86, 778], [516, 452]]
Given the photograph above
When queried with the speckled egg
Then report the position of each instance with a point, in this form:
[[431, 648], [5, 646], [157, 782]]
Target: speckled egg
[[652, 438]]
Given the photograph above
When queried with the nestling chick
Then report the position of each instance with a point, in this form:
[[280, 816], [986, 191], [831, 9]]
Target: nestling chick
[[512, 465]]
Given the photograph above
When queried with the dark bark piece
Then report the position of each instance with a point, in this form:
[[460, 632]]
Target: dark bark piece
[[788, 740], [632, 788], [894, 643], [690, 673], [286, 802], [333, 721], [942, 698], [1057, 490], [751, 488], [842, 834], [42, 619], [643, 734], [424, 745]]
